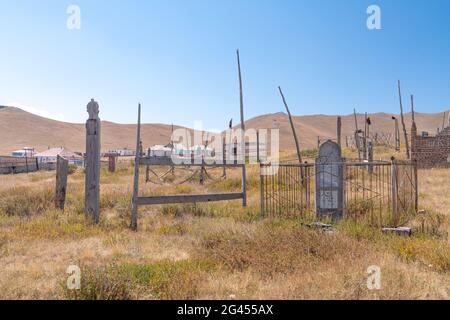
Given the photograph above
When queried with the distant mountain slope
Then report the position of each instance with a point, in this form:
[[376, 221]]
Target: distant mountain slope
[[22, 129]]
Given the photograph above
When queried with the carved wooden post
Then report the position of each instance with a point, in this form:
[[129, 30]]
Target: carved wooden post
[[92, 180], [62, 170]]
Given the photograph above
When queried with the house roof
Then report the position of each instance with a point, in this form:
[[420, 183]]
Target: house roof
[[54, 152]]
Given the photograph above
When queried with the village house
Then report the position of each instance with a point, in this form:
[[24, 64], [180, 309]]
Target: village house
[[51, 155]]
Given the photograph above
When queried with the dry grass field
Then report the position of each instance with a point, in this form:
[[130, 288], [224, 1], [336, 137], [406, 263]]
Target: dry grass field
[[209, 251]]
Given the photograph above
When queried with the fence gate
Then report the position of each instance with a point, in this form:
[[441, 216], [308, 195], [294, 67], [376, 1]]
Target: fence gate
[[286, 189]]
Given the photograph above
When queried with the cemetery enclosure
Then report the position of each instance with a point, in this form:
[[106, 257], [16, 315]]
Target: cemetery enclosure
[[385, 192]]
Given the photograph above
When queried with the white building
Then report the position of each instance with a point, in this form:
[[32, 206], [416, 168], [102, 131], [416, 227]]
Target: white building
[[24, 152], [160, 151], [51, 155], [124, 152]]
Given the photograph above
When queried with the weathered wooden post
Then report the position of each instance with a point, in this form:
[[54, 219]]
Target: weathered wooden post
[[112, 162], [224, 158], [370, 150], [339, 130], [147, 168], [62, 170], [92, 179], [241, 100], [394, 186], [416, 187], [357, 141], [134, 209], [403, 121]]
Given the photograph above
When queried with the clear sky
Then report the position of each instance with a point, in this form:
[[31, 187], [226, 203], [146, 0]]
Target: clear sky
[[178, 58]]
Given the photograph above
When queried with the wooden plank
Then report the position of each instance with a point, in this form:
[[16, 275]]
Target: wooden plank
[[189, 198], [134, 209], [62, 170]]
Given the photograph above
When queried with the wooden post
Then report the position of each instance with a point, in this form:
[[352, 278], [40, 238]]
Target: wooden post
[[92, 179], [318, 142], [403, 121], [443, 121], [26, 161], [394, 185], [241, 99], [339, 130], [258, 160], [416, 187], [370, 151], [147, 168], [62, 170], [358, 147], [412, 109], [134, 209], [365, 137], [111, 162], [224, 157], [297, 145]]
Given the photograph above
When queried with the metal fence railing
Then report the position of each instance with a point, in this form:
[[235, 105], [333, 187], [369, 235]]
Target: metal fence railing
[[384, 193]]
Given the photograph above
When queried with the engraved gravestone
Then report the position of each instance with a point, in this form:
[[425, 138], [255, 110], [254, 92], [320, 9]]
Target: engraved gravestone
[[329, 181]]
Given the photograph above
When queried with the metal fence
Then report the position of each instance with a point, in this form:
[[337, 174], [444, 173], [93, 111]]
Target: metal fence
[[286, 189], [384, 193]]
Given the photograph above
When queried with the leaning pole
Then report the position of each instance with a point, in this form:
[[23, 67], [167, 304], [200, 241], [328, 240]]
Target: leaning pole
[[92, 163]]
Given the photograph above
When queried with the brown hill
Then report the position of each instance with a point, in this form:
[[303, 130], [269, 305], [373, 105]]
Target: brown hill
[[22, 129]]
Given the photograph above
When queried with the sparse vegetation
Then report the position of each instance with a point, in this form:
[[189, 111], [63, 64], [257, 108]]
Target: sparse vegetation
[[210, 250]]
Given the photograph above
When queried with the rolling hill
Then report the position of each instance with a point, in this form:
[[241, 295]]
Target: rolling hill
[[22, 129]]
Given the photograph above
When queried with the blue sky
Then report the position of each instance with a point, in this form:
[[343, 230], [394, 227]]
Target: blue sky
[[178, 58]]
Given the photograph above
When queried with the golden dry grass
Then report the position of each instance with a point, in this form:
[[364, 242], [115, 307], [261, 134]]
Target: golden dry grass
[[208, 251]]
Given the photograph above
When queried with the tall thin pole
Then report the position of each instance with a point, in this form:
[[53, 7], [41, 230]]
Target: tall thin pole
[[443, 121], [412, 109], [403, 121], [241, 100], [134, 209], [339, 130], [297, 144], [357, 136]]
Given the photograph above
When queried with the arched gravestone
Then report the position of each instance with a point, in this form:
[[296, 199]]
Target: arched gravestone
[[329, 181]]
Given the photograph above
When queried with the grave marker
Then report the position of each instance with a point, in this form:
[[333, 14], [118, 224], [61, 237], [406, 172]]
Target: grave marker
[[92, 180], [329, 181]]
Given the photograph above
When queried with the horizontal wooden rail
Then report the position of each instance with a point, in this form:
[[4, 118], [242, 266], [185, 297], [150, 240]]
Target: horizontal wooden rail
[[165, 161], [189, 198]]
